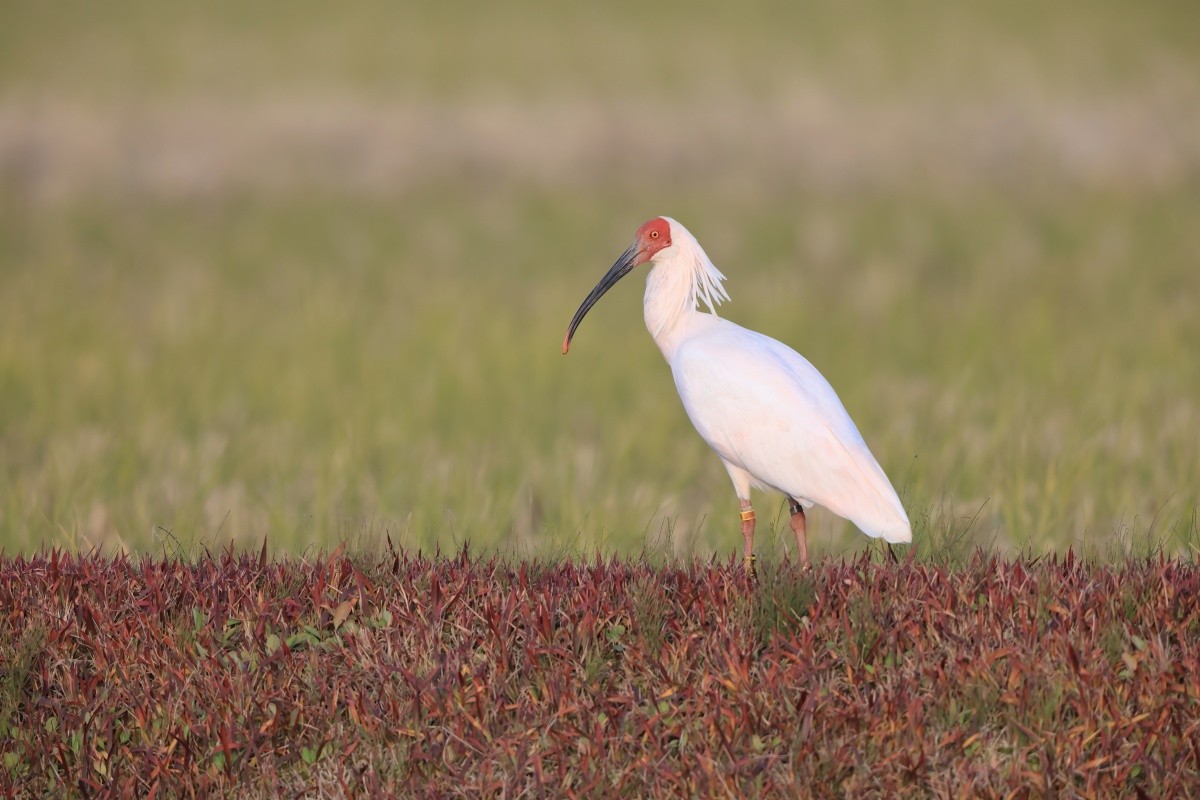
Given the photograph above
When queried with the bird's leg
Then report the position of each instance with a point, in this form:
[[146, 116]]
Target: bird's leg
[[748, 534], [800, 528]]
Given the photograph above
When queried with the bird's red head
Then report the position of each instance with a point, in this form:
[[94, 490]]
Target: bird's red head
[[652, 237]]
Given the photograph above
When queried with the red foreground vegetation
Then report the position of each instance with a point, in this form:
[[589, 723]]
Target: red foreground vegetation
[[402, 675]]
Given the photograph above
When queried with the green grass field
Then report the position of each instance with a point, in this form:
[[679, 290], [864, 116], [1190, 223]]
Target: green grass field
[[277, 273]]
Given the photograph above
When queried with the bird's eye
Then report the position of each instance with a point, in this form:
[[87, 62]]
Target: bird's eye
[[653, 234]]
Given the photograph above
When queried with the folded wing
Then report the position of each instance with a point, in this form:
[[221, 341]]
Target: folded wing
[[763, 407]]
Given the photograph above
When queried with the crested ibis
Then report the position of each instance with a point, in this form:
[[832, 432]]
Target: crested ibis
[[771, 417]]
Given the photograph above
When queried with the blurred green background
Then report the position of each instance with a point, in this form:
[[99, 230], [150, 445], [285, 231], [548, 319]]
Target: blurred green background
[[278, 270]]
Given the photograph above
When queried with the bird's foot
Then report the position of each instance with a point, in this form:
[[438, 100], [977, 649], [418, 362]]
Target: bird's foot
[[748, 569]]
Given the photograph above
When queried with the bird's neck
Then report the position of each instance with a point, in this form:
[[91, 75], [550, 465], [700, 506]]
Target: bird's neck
[[676, 285], [669, 306]]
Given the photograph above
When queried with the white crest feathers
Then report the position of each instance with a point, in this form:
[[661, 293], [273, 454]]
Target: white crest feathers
[[707, 281]]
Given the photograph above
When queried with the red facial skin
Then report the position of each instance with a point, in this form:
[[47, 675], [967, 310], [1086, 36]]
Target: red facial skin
[[652, 237]]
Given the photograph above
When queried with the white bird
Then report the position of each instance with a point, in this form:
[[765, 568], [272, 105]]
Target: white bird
[[775, 422]]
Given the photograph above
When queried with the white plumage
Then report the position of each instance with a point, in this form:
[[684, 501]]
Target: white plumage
[[773, 419]]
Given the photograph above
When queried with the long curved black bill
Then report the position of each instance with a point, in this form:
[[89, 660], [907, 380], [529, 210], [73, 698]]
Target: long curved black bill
[[623, 267]]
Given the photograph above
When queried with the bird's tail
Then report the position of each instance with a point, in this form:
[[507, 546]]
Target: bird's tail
[[897, 533], [885, 519]]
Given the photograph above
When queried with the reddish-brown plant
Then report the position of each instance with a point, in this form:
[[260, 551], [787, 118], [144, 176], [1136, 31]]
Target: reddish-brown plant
[[238, 674]]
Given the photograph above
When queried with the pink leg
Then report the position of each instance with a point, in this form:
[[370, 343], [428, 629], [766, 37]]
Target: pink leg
[[800, 528], [748, 535]]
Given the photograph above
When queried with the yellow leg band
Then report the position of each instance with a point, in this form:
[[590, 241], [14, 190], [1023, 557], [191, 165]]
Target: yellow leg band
[[748, 515]]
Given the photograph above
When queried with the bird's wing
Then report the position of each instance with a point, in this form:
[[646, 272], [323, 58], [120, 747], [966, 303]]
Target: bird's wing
[[763, 407]]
